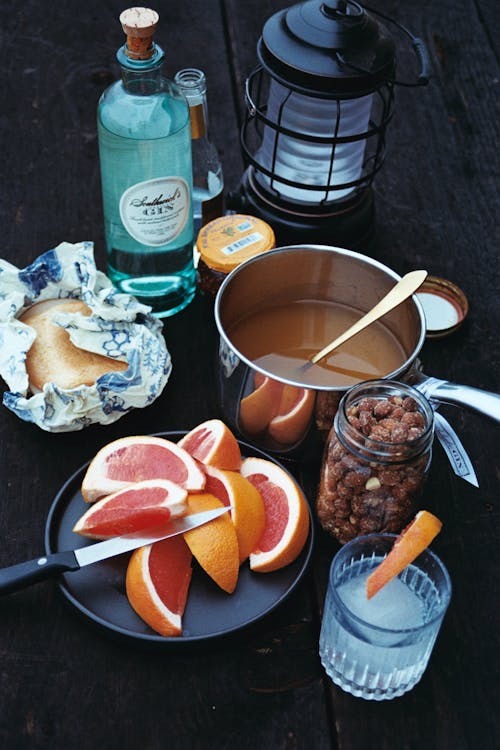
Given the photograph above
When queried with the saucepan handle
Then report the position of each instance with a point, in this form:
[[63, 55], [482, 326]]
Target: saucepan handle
[[484, 402]]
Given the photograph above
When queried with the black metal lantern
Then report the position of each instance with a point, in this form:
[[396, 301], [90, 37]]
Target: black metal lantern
[[318, 107]]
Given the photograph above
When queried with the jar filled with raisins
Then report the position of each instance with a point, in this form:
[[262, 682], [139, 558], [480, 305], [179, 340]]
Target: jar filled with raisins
[[376, 460]]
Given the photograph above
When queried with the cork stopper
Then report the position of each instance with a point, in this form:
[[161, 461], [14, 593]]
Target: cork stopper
[[139, 24]]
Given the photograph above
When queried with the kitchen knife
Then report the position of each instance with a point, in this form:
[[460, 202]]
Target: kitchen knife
[[24, 574]]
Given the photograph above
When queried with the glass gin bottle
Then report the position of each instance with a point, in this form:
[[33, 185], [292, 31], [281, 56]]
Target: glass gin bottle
[[146, 173], [208, 182]]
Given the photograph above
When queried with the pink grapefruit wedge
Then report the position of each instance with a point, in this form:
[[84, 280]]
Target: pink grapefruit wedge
[[287, 515], [134, 459], [247, 507], [213, 443], [141, 506], [157, 583]]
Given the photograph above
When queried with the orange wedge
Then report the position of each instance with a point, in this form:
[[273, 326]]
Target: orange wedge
[[287, 515], [247, 507], [157, 583], [294, 414], [141, 506], [409, 544], [259, 407], [213, 443], [214, 545], [127, 460]]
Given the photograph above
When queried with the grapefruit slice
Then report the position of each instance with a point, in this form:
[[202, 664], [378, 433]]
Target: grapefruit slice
[[287, 515], [134, 459], [247, 507], [214, 444], [408, 545], [259, 407], [293, 416], [215, 544], [157, 583], [141, 506]]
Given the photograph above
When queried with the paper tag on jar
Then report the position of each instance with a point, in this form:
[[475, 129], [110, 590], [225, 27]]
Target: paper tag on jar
[[457, 455]]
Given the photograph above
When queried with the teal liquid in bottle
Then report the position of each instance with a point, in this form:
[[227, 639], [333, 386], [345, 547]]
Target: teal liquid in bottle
[[146, 174]]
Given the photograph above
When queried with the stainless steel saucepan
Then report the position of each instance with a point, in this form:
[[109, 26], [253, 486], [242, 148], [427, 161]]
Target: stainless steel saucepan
[[315, 272]]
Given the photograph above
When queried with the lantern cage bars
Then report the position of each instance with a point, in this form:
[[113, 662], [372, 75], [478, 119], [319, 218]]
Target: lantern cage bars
[[318, 104], [256, 92]]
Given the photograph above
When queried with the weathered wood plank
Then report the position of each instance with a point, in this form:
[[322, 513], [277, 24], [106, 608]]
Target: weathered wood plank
[[64, 685], [61, 681], [437, 205]]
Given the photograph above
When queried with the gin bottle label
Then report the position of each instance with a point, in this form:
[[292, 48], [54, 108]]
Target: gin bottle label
[[154, 212]]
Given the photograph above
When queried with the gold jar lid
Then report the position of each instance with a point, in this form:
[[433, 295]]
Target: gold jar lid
[[226, 242], [445, 306]]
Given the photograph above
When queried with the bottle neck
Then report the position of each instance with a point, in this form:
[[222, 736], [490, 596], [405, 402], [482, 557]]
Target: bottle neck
[[193, 85], [198, 117], [141, 77]]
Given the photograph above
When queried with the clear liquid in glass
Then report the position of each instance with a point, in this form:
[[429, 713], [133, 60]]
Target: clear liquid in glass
[[378, 649]]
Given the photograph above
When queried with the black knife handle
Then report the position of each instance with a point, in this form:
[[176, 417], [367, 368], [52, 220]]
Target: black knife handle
[[24, 574]]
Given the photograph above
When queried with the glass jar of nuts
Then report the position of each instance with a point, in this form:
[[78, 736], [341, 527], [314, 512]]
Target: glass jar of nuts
[[376, 459]]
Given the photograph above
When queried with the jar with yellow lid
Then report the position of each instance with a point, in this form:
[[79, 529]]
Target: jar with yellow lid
[[226, 242]]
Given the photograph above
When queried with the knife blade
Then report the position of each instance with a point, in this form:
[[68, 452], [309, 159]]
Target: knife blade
[[23, 574]]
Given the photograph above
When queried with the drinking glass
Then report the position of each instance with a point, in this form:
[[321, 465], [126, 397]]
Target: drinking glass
[[378, 648]]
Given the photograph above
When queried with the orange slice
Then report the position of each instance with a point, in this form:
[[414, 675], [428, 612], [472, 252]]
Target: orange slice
[[134, 459], [294, 414], [408, 545], [215, 544], [157, 583], [141, 506], [247, 507], [259, 378], [287, 515], [259, 407], [214, 444]]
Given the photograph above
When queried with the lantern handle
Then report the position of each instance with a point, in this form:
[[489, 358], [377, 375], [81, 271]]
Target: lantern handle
[[250, 102], [425, 64], [419, 48]]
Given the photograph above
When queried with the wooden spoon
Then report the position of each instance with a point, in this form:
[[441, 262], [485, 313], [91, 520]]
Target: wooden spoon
[[403, 289]]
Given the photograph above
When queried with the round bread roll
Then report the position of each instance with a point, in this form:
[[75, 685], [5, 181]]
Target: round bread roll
[[53, 358]]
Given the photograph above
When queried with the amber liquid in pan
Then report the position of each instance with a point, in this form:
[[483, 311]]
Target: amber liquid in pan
[[281, 339]]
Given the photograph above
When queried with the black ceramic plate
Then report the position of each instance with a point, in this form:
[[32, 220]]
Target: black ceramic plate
[[98, 591]]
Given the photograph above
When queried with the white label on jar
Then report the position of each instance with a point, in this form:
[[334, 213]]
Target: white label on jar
[[250, 239], [154, 212]]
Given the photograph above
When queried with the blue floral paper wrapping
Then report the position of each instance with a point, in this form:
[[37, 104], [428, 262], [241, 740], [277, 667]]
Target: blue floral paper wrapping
[[119, 327]]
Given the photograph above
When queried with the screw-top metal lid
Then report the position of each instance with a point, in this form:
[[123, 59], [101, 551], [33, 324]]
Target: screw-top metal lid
[[226, 242], [139, 24], [445, 306], [327, 47]]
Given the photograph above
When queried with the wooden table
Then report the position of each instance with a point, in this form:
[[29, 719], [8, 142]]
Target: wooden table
[[65, 685]]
